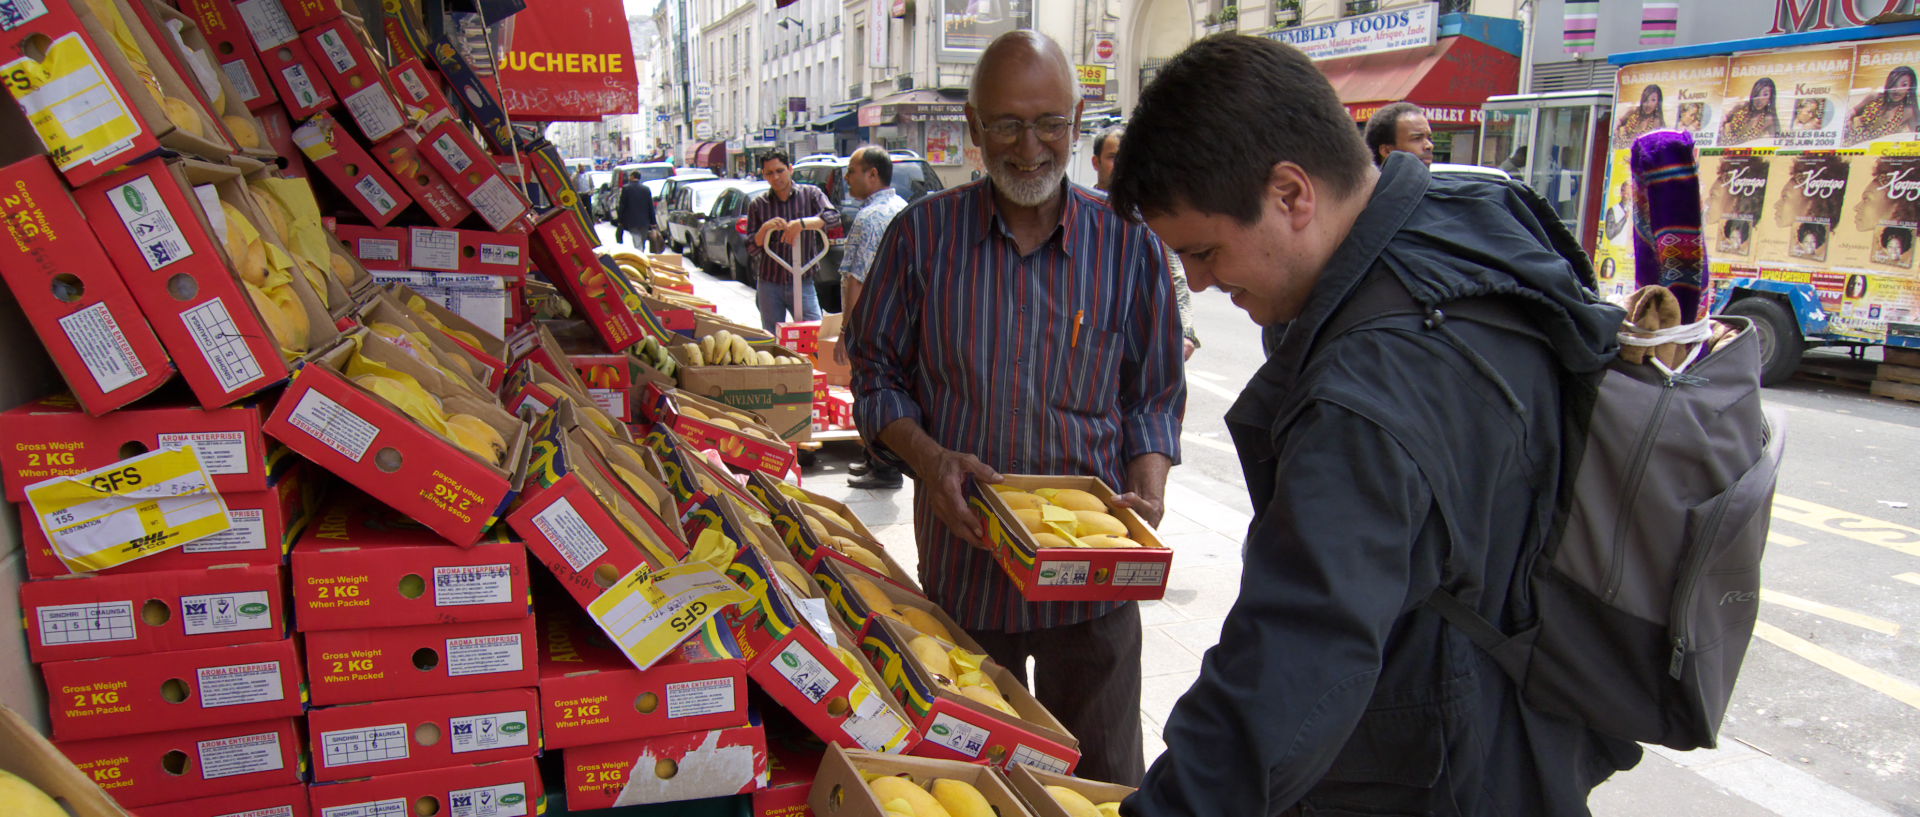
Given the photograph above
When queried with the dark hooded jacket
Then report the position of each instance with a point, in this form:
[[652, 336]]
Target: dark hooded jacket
[[636, 207], [1406, 454]]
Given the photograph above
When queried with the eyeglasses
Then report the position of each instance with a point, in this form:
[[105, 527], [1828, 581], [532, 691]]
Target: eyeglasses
[[1048, 128]]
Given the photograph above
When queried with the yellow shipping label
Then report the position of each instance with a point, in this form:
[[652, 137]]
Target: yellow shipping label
[[129, 510], [73, 105], [648, 614]]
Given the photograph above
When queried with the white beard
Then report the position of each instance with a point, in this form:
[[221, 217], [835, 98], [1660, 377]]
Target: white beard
[[1026, 193]]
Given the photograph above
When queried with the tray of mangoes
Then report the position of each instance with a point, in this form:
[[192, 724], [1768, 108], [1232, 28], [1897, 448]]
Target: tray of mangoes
[[1076, 512]]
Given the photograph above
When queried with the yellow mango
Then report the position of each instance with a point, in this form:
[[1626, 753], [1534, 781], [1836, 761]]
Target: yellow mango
[[1074, 499], [1019, 500], [864, 556], [1075, 803], [924, 622], [1030, 519], [243, 131], [476, 435], [887, 789], [932, 655], [990, 698], [184, 115], [1108, 541], [870, 593], [1051, 540], [1093, 523], [961, 799]]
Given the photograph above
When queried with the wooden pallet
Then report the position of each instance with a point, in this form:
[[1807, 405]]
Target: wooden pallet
[[1898, 374], [1836, 371], [1909, 392], [1901, 357]]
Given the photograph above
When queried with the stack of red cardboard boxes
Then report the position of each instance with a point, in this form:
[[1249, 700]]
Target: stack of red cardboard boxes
[[421, 665]]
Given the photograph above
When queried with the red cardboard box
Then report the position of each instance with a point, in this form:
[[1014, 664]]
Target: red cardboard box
[[1031, 784], [509, 788], [564, 251], [280, 801], [264, 523], [402, 155], [170, 691], [752, 446], [363, 565], [1071, 573], [411, 734], [279, 132], [426, 248], [306, 14], [340, 51], [351, 169], [379, 664], [483, 349], [164, 767], [51, 437], [792, 762], [471, 172], [192, 57], [800, 336], [233, 48], [840, 788], [98, 616], [667, 768], [591, 693], [295, 75], [72, 294], [363, 439], [417, 86]]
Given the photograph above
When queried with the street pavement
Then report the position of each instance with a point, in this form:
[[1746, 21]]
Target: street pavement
[[1826, 718]]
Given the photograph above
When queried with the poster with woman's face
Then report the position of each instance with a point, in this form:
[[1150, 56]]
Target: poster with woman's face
[[1734, 184], [1882, 212], [1881, 104], [1789, 99], [1672, 95], [1805, 194]]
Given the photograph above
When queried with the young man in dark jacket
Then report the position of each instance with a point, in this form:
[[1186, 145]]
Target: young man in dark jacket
[[1408, 453], [636, 213]]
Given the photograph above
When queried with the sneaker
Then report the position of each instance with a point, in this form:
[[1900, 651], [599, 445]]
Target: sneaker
[[877, 480], [859, 468]]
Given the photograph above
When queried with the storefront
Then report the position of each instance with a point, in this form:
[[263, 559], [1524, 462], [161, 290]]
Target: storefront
[[926, 122], [711, 155]]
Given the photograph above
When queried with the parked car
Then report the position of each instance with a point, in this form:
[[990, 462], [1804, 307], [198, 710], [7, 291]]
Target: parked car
[[670, 186], [688, 208], [913, 179], [723, 238], [644, 171], [599, 182]]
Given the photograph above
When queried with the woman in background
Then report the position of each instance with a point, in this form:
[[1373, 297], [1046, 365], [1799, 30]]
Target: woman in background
[[1888, 112], [1758, 119]]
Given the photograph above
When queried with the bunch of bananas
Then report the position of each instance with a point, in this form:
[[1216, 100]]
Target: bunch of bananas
[[468, 431], [1077, 804], [267, 274], [1066, 517], [656, 356], [724, 348], [901, 797]]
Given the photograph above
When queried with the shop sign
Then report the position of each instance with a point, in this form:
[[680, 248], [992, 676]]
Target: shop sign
[[932, 111], [1436, 115], [1093, 82], [1412, 27], [1104, 49]]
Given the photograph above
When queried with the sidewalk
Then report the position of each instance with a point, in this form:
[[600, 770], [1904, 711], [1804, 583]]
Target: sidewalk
[[1205, 524]]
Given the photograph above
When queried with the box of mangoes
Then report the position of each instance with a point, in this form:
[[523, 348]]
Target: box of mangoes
[[1061, 538]]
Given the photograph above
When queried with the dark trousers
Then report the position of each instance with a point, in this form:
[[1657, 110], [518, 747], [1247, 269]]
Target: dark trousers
[[1088, 676]]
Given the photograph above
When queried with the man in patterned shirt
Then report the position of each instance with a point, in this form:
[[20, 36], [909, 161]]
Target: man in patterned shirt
[[1017, 323], [790, 211], [870, 179], [1106, 152]]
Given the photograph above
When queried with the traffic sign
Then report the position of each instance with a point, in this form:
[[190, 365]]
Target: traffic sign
[[1104, 49]]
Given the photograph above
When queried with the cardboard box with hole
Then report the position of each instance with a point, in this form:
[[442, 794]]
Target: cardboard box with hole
[[482, 347], [583, 519], [362, 564], [867, 557], [957, 725], [741, 438], [805, 661], [263, 526], [380, 447], [793, 759], [474, 92], [306, 14], [227, 32], [340, 51], [429, 249], [412, 734], [278, 128], [28, 754], [534, 343], [471, 171], [1069, 573], [563, 250], [859, 599], [666, 768], [195, 59], [72, 293], [839, 373], [283, 55], [591, 693], [507, 788], [531, 390], [279, 801], [340, 158], [404, 157], [841, 788], [164, 767], [166, 691], [91, 615], [386, 663], [418, 87], [1031, 784], [384, 313], [780, 395], [52, 437]]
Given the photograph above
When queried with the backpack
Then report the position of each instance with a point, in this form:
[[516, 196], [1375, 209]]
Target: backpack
[[1642, 596]]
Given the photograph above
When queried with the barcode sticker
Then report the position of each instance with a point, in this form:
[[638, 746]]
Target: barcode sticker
[[705, 697], [569, 533], [376, 194], [472, 584], [222, 452], [484, 655], [331, 423], [246, 754], [242, 80], [96, 336]]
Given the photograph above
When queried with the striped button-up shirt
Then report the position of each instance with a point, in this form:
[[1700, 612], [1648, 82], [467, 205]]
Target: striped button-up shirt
[[806, 201], [1063, 361], [863, 241]]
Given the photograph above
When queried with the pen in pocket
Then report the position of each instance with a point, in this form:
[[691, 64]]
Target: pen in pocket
[[1077, 316]]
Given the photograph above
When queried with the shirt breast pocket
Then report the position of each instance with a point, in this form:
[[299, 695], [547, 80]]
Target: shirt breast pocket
[[1086, 372]]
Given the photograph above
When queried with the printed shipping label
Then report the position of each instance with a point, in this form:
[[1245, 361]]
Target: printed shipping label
[[305, 94], [336, 50], [222, 345], [72, 104], [249, 532], [16, 13], [223, 452], [415, 89], [240, 684], [497, 202], [472, 584], [499, 730], [647, 614], [371, 744], [692, 698], [130, 509], [103, 347], [957, 735], [267, 21], [270, 811], [507, 800], [375, 112], [1139, 574], [331, 423], [87, 623], [452, 152], [247, 754], [482, 655], [569, 533], [1029, 756], [376, 195], [242, 80], [226, 612], [502, 254], [379, 249], [150, 223], [1064, 573], [805, 672], [882, 730], [396, 807], [434, 249]]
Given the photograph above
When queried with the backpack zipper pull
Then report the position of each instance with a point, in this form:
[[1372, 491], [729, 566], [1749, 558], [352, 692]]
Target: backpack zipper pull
[[1679, 656]]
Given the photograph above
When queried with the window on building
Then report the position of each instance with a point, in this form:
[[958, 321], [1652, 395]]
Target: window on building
[[1286, 13], [1456, 6], [1350, 8]]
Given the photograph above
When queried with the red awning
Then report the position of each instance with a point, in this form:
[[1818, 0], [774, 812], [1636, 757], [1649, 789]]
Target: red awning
[[1450, 79], [710, 154]]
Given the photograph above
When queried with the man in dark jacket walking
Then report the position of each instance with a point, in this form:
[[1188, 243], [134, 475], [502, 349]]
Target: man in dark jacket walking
[[636, 213], [1387, 455]]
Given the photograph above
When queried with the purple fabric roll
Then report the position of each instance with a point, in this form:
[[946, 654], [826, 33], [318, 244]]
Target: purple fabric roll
[[1667, 246]]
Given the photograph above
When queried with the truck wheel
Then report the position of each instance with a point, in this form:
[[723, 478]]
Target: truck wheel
[[1780, 341]]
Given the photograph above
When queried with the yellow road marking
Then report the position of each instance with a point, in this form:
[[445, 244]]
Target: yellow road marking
[[1909, 578], [1848, 668], [1775, 537], [1890, 535], [1861, 620]]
